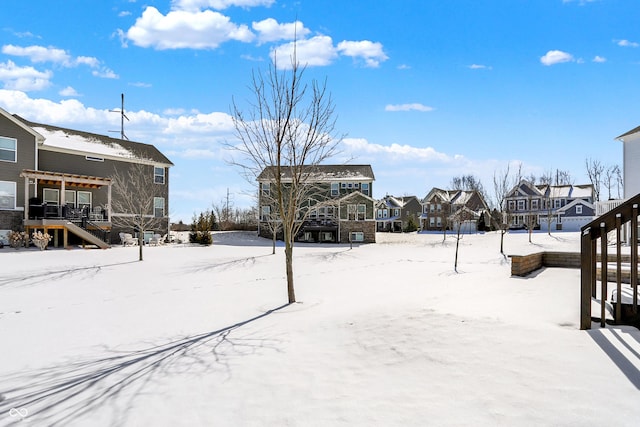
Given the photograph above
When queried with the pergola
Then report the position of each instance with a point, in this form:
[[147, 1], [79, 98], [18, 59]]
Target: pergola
[[64, 179]]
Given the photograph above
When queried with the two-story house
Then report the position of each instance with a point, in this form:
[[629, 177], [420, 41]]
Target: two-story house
[[338, 206], [442, 208], [60, 181], [394, 213], [555, 207]]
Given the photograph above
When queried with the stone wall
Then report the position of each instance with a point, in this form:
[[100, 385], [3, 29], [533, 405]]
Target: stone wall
[[11, 220], [521, 265], [367, 227]]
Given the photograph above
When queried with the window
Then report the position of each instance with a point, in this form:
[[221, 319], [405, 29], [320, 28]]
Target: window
[[379, 213], [335, 188], [350, 185], [7, 195], [351, 212], [579, 209], [512, 205], [396, 212], [557, 203], [266, 212], [158, 206], [158, 175], [362, 211], [356, 185], [70, 198], [84, 199], [432, 221], [266, 188], [343, 185], [50, 196], [330, 212], [94, 159], [534, 204], [365, 188], [439, 207], [357, 236], [8, 149], [521, 205], [439, 221], [385, 213]]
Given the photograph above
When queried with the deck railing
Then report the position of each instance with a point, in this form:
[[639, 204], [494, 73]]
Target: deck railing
[[598, 229]]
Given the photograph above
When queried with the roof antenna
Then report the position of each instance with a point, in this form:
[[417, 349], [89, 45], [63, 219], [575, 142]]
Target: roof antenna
[[122, 117]]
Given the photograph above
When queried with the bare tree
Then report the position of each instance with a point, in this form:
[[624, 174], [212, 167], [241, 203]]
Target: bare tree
[[468, 183], [594, 172], [612, 180], [133, 201], [288, 129], [459, 218], [619, 181], [502, 185]]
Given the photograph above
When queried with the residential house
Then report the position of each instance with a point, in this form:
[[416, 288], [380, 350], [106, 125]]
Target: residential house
[[393, 213], [59, 180], [338, 204], [630, 161], [441, 209], [558, 207]]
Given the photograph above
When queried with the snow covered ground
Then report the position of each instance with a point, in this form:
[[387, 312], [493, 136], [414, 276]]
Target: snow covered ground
[[385, 334]]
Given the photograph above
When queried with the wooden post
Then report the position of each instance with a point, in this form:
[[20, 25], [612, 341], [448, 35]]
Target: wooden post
[[603, 273], [634, 256], [587, 279], [618, 269], [594, 260]]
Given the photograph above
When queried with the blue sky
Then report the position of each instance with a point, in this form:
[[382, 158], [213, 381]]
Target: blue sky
[[424, 90]]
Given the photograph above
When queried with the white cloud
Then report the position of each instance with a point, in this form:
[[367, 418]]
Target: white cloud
[[556, 57], [105, 73], [218, 4], [320, 51], [269, 30], [479, 67], [404, 67], [627, 43], [316, 51], [408, 107], [397, 151], [199, 123], [599, 59], [39, 54], [23, 78], [371, 52], [68, 91], [185, 29]]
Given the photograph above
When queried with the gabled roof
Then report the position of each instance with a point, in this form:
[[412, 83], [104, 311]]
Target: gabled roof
[[525, 188], [396, 202], [631, 132], [55, 138], [320, 173], [21, 124], [356, 193], [574, 203]]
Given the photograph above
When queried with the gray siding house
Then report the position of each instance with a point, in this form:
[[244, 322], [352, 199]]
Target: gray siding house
[[59, 180], [338, 205], [393, 213]]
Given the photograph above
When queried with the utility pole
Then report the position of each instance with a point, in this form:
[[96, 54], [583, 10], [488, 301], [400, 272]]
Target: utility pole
[[122, 117]]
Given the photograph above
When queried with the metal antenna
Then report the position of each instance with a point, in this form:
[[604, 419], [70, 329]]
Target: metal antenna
[[122, 117]]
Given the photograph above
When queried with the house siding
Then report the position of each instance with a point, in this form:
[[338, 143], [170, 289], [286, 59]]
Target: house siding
[[25, 159]]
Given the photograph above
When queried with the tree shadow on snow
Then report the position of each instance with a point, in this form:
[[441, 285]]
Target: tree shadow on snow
[[48, 276], [58, 395]]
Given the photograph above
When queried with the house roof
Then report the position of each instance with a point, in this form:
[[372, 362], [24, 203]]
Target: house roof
[[631, 132], [60, 139], [21, 124], [323, 173]]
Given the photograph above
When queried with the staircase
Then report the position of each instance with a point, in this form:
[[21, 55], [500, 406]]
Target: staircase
[[89, 233], [598, 229]]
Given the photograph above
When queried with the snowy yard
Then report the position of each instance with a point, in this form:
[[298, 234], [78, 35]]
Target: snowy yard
[[385, 334]]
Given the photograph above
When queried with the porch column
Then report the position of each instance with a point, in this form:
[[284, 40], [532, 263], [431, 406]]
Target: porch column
[[26, 198], [109, 202], [62, 195]]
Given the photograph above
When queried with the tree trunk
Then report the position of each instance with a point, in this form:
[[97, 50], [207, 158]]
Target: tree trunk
[[502, 232], [140, 244], [273, 236], [455, 263], [288, 253]]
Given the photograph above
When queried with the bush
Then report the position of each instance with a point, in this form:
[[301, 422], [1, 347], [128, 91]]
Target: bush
[[201, 237], [18, 238], [411, 225], [41, 240]]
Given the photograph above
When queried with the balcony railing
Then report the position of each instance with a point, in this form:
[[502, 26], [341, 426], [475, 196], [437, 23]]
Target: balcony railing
[[623, 215]]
